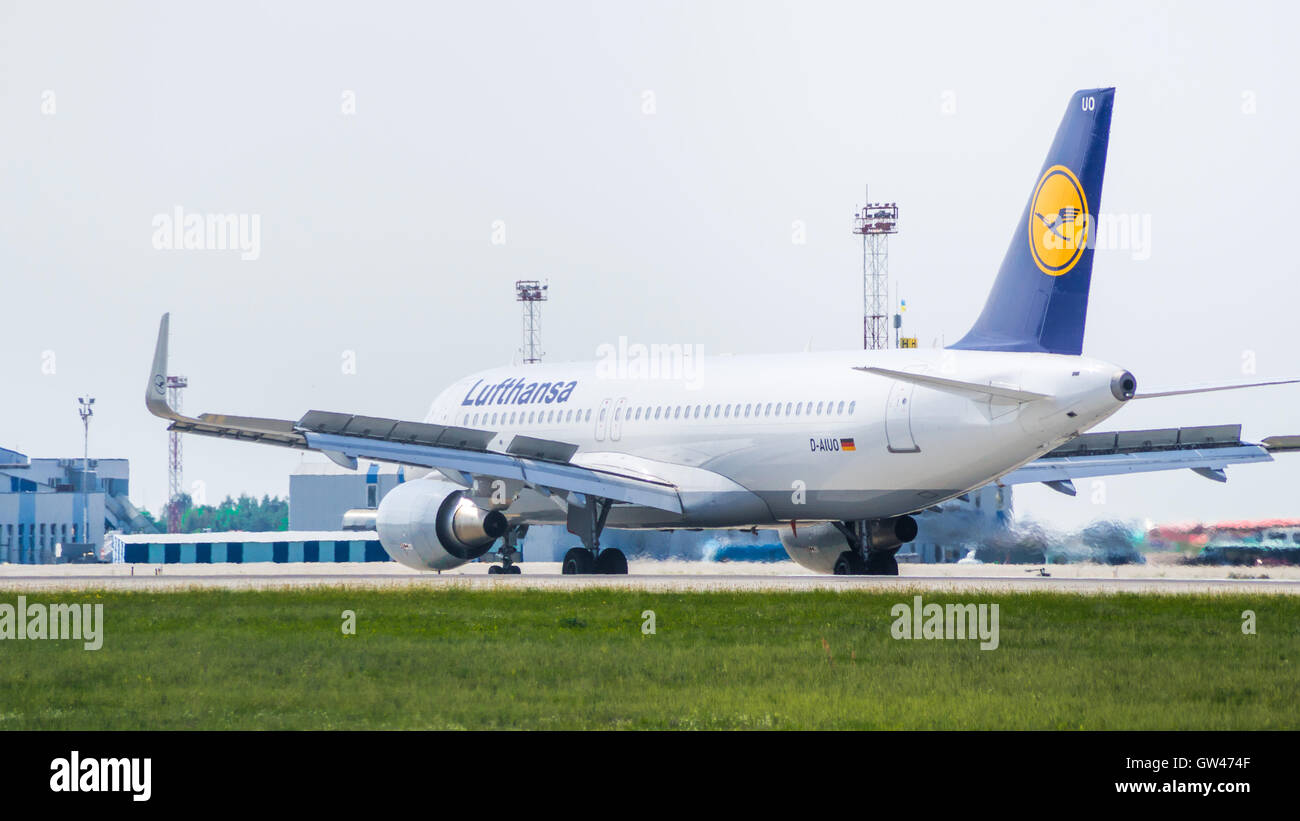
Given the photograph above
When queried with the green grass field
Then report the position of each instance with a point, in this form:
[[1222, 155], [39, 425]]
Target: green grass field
[[434, 659]]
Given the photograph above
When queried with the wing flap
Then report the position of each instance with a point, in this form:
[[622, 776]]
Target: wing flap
[[536, 472]]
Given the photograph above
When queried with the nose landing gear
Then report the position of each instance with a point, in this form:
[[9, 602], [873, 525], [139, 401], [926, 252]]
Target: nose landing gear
[[509, 552]]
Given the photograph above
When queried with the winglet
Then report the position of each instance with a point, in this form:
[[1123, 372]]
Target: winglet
[[155, 393]]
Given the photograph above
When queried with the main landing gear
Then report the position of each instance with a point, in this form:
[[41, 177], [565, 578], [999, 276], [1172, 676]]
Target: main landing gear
[[861, 559], [587, 520], [610, 561]]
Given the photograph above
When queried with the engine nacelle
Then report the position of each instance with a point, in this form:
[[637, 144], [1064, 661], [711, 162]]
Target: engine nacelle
[[818, 546], [429, 524]]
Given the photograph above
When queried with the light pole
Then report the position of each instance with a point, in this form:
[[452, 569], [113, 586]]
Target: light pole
[[86, 409]]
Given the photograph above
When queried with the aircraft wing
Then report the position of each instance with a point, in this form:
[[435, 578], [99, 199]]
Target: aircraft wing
[[459, 453], [1207, 450]]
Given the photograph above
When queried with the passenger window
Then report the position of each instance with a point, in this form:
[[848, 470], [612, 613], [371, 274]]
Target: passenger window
[[747, 408], [798, 409], [819, 408], [840, 409], [658, 411], [727, 412], [852, 405], [788, 406], [697, 411], [706, 411]]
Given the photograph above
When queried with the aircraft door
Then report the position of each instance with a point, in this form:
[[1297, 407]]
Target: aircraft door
[[898, 419], [616, 425], [602, 419]]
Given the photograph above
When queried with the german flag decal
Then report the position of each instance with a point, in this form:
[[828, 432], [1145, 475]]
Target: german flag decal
[[847, 444]]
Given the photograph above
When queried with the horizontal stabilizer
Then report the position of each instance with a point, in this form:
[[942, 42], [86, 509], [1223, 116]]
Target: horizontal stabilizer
[[1207, 450], [958, 386], [1210, 388]]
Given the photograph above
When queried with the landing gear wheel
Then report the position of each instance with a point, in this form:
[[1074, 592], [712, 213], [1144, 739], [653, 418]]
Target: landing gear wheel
[[494, 569], [850, 564], [577, 562], [611, 562], [512, 570], [882, 563]]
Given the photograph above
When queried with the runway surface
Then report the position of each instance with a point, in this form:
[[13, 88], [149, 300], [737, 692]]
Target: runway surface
[[663, 576]]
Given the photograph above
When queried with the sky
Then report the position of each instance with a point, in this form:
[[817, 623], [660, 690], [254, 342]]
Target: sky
[[679, 173]]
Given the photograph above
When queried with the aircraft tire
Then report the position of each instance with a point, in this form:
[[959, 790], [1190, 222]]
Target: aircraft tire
[[577, 562], [850, 564], [611, 562]]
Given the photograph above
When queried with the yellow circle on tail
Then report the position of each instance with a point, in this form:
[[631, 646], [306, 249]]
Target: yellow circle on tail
[[1059, 223]]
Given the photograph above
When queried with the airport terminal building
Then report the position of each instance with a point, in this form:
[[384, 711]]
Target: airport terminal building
[[50, 508], [320, 492]]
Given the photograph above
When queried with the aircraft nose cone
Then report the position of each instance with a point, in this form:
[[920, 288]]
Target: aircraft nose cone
[[1123, 385]]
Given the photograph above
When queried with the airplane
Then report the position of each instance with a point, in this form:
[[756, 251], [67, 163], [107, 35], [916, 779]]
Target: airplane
[[837, 451]]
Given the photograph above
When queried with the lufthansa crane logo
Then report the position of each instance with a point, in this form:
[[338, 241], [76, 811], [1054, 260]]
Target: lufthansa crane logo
[[1058, 221]]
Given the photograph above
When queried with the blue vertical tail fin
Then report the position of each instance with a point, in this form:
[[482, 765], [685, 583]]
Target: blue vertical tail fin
[[1039, 301]]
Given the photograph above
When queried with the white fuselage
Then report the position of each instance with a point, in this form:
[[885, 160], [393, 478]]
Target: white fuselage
[[759, 440]]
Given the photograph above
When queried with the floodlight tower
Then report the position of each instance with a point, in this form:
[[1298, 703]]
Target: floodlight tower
[[531, 293], [874, 223], [85, 409], [175, 466]]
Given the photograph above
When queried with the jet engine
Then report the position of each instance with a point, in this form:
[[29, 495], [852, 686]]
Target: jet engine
[[818, 546], [430, 524]]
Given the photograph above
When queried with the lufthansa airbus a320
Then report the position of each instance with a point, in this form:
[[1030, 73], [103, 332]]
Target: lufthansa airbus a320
[[836, 450]]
